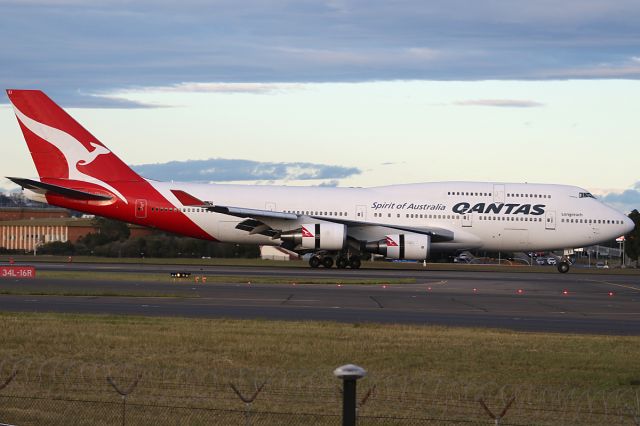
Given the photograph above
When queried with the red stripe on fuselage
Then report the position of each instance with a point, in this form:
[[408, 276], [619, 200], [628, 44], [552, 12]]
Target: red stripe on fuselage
[[160, 213]]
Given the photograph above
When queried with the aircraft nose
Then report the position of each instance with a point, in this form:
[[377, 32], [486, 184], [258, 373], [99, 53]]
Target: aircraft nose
[[627, 225]]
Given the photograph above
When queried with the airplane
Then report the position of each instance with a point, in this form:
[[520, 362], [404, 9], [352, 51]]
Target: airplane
[[337, 225]]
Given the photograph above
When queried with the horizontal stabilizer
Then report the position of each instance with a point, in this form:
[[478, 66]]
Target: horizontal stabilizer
[[187, 199], [50, 188]]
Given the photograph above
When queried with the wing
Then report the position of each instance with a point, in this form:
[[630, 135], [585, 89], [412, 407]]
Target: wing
[[262, 221]]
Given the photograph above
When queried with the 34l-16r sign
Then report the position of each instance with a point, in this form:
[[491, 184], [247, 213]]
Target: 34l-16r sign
[[17, 272]]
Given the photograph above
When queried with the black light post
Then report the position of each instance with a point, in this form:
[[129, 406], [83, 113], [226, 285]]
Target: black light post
[[349, 374]]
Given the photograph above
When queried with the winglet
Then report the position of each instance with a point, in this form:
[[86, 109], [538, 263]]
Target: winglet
[[188, 199]]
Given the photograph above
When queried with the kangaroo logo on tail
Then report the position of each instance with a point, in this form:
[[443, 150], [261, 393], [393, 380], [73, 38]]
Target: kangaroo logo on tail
[[72, 149]]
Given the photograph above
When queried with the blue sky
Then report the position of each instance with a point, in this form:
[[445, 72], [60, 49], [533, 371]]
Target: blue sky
[[340, 92]]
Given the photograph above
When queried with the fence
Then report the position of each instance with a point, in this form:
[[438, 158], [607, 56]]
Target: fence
[[59, 392]]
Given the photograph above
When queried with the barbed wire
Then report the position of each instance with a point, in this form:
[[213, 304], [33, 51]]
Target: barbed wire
[[305, 392]]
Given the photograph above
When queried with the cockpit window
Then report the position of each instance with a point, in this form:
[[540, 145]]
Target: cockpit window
[[586, 195]]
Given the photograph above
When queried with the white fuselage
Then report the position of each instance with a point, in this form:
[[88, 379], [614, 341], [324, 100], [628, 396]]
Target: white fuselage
[[481, 215]]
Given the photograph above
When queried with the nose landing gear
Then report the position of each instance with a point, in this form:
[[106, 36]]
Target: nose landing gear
[[563, 267]]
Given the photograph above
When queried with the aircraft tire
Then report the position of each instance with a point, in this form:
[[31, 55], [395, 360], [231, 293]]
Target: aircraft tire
[[314, 262], [354, 262], [563, 267], [342, 262], [327, 262]]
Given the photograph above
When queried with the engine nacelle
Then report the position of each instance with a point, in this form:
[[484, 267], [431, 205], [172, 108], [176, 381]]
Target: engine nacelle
[[402, 246], [321, 236]]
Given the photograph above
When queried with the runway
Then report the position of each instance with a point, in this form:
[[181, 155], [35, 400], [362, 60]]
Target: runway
[[562, 303]]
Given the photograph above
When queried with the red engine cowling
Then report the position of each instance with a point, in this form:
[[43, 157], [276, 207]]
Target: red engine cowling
[[402, 246], [321, 236]]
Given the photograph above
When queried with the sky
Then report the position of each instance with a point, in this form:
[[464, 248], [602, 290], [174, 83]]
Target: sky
[[339, 93]]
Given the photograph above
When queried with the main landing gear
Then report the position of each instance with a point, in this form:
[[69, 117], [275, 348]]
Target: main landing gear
[[563, 266], [342, 261]]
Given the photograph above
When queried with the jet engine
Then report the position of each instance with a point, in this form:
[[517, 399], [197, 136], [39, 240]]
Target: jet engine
[[322, 236], [401, 246]]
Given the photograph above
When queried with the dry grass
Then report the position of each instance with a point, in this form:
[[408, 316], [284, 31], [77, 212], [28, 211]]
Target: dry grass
[[457, 354], [256, 279], [421, 372]]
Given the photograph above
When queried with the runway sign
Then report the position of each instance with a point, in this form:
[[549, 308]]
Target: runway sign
[[17, 272]]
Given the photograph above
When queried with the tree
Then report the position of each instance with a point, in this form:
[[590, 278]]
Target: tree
[[108, 231], [632, 243]]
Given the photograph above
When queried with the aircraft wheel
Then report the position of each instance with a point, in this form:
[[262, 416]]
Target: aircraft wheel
[[563, 267], [327, 262], [314, 262], [342, 262], [354, 262]]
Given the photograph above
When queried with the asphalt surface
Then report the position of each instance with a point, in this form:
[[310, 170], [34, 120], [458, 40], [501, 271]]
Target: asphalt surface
[[550, 302]]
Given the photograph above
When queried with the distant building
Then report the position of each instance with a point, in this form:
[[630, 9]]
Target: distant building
[[18, 213], [24, 234], [277, 253]]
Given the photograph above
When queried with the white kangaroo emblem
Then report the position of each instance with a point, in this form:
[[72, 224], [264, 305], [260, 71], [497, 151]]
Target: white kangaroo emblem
[[74, 152]]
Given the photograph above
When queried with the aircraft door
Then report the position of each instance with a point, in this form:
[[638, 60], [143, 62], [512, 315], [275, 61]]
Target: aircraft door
[[361, 213], [467, 220], [550, 220], [498, 193], [141, 209], [270, 206]]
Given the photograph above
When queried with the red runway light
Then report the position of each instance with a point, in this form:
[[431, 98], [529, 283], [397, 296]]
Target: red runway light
[[384, 286], [610, 293], [520, 291], [475, 290], [565, 292], [428, 288]]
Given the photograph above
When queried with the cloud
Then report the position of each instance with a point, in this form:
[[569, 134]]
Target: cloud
[[219, 87], [81, 54], [227, 170], [502, 103], [624, 201], [330, 183]]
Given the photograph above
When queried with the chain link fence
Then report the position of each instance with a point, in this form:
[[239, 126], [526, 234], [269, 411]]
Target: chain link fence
[[62, 392]]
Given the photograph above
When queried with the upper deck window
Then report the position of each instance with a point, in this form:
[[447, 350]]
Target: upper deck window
[[586, 195]]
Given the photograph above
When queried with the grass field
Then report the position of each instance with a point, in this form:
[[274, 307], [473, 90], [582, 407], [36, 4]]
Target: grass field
[[459, 354], [414, 368], [256, 279]]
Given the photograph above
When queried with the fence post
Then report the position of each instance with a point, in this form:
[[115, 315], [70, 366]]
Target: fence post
[[349, 374], [500, 416], [124, 393], [247, 400]]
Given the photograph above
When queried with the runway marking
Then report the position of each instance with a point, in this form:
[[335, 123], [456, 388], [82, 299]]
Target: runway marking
[[630, 287], [377, 301], [287, 299], [441, 282], [233, 299], [470, 305]]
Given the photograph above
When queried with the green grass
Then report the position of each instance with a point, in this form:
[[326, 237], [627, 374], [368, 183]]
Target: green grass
[[88, 293], [165, 278], [419, 371], [458, 354]]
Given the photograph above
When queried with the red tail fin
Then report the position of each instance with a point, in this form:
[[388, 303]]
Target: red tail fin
[[63, 149]]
